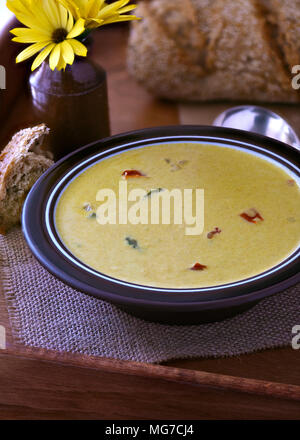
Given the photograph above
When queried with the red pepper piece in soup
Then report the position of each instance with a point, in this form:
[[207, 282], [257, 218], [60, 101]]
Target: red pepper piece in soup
[[251, 216], [132, 173], [198, 266], [212, 233]]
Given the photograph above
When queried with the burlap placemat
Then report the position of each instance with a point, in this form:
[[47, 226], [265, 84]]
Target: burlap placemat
[[46, 313]]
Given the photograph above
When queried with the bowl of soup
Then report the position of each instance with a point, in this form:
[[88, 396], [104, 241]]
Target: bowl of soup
[[177, 225]]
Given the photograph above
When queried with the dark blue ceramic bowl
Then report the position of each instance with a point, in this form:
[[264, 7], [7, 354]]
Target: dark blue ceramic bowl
[[175, 306]]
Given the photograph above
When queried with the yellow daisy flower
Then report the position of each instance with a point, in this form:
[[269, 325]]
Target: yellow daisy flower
[[51, 29], [97, 13]]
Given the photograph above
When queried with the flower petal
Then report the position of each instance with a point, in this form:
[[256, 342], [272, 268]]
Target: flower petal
[[89, 4], [25, 35], [42, 56], [51, 12], [97, 6], [20, 32], [30, 51], [63, 16], [61, 64], [54, 57], [93, 23], [78, 48], [77, 29], [126, 9], [70, 22], [72, 7], [32, 23], [119, 18], [67, 52], [112, 8]]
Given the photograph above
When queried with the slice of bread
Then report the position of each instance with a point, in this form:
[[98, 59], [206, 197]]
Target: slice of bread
[[22, 162]]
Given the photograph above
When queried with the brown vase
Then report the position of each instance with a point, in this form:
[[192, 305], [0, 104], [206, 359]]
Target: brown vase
[[73, 104]]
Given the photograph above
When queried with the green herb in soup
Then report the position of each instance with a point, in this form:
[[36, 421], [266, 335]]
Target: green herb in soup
[[132, 242]]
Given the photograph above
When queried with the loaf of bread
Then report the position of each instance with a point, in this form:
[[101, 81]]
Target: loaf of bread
[[22, 162], [217, 49]]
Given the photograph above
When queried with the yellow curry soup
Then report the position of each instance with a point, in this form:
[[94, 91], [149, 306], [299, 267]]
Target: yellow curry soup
[[251, 216]]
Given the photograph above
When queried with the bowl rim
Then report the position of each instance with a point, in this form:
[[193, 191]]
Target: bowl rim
[[39, 235]]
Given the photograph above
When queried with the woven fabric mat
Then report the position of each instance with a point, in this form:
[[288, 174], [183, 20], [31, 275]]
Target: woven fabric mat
[[45, 313]]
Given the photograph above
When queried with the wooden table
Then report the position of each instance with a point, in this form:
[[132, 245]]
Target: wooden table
[[35, 383]]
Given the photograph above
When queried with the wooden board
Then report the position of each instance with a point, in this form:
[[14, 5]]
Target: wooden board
[[35, 383]]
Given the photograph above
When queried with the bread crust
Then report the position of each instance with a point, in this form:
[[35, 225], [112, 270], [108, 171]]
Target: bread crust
[[285, 15], [21, 163], [239, 58]]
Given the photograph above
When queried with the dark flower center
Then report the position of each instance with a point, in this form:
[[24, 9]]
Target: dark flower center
[[59, 35]]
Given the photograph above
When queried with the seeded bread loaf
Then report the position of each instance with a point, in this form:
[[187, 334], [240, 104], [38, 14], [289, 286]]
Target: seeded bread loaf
[[22, 162], [217, 49]]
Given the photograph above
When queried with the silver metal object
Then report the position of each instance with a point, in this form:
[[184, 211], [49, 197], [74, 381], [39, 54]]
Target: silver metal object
[[259, 120]]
